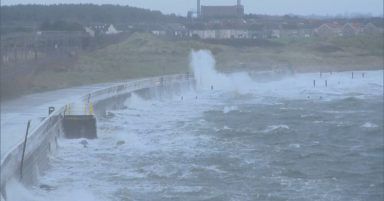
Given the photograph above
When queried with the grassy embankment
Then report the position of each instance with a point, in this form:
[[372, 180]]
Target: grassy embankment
[[144, 55]]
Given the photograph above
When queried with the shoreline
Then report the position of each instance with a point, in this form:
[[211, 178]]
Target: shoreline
[[145, 55], [98, 84]]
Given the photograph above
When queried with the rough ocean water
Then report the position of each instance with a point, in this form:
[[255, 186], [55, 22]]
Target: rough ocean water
[[244, 140]]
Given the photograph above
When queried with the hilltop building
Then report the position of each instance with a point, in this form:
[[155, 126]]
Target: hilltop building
[[235, 11]]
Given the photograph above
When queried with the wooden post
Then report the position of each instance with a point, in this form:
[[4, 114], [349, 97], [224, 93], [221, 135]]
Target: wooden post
[[314, 83], [15, 54], [24, 147], [326, 83], [35, 52]]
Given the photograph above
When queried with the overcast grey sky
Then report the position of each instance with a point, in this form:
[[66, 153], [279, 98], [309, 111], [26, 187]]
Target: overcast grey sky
[[301, 7]]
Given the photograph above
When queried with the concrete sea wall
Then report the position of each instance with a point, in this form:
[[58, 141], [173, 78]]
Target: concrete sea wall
[[42, 140]]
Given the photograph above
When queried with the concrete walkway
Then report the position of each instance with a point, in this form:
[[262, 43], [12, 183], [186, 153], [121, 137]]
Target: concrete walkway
[[16, 113]]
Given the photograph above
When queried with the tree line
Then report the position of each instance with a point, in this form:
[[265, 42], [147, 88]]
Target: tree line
[[27, 17]]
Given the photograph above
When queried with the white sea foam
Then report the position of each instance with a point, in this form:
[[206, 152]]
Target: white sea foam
[[137, 102], [297, 146], [17, 192], [77, 195], [369, 125], [275, 127], [228, 109], [226, 128]]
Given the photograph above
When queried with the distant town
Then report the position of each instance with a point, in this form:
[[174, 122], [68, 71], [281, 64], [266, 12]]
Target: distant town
[[230, 22], [30, 35]]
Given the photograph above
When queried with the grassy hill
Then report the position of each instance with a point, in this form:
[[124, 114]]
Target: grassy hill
[[143, 55]]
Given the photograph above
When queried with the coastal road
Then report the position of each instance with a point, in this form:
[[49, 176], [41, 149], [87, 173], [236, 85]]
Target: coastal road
[[16, 113]]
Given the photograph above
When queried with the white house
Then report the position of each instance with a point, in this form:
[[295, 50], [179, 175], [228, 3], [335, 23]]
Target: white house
[[159, 32], [220, 34], [275, 33], [203, 34]]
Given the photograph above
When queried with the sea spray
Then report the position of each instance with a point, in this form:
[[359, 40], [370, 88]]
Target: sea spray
[[202, 64], [203, 68], [15, 191], [176, 143], [137, 102], [18, 192]]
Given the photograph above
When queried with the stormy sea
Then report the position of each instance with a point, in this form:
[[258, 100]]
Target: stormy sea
[[233, 137]]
